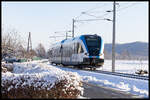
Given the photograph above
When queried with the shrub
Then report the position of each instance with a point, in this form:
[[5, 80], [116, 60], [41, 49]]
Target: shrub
[[41, 85]]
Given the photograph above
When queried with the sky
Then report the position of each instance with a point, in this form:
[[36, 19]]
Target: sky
[[47, 19]]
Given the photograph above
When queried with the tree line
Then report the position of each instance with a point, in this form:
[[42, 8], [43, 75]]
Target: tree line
[[13, 45]]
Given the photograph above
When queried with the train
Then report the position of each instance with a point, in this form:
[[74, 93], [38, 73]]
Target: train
[[82, 51]]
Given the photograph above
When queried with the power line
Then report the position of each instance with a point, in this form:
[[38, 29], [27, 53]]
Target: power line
[[90, 15], [103, 15], [95, 8], [125, 7], [92, 20], [85, 12], [89, 11], [130, 5]]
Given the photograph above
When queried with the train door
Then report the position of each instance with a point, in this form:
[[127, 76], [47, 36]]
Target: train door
[[74, 54], [77, 56], [80, 53], [61, 54]]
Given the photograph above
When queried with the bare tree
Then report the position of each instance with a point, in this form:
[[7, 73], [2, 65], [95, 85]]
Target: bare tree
[[40, 50], [30, 54], [11, 43]]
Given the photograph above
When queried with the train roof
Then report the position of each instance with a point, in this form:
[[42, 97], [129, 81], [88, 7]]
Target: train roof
[[79, 37], [71, 39]]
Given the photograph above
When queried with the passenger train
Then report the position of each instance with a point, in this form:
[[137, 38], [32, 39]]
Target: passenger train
[[81, 51]]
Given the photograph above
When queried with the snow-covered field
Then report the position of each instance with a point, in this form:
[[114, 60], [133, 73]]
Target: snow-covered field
[[125, 66]]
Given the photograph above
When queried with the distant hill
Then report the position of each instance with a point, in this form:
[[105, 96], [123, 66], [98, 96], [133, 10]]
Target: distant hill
[[134, 50]]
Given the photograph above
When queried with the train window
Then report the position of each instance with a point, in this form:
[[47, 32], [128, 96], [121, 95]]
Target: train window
[[60, 49], [79, 48], [93, 42]]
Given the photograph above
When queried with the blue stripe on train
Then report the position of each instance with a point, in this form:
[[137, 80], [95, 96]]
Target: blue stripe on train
[[101, 49], [93, 56], [83, 39]]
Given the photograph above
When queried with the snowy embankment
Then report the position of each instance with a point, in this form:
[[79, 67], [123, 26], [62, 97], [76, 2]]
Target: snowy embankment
[[39, 80], [134, 86]]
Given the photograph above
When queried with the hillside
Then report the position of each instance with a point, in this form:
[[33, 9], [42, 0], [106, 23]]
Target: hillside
[[134, 50]]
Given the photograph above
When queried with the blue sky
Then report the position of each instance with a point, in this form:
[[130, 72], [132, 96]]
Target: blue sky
[[42, 19]]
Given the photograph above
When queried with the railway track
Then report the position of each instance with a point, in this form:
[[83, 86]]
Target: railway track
[[120, 74], [115, 73], [124, 75]]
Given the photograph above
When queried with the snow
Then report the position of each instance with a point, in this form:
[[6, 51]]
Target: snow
[[50, 73], [126, 66], [134, 86], [38, 74]]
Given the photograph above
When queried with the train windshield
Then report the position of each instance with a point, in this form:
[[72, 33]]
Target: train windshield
[[93, 44]]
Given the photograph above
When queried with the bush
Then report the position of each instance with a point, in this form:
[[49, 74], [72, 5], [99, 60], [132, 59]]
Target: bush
[[52, 84], [22, 90]]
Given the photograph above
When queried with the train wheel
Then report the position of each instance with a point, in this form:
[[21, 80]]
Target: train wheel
[[75, 66], [80, 67], [51, 63], [93, 68]]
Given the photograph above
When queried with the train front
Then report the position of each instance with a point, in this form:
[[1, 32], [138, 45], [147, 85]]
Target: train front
[[95, 50]]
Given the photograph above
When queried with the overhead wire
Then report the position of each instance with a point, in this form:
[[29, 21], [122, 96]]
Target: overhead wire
[[108, 13], [125, 7], [88, 11], [95, 8], [130, 5]]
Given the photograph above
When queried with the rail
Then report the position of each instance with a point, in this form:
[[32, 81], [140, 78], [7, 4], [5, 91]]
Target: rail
[[116, 73]]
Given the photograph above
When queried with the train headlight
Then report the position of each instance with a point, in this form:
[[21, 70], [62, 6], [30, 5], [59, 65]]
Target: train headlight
[[100, 54]]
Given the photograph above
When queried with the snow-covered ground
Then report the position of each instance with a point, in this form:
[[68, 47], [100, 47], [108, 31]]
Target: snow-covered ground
[[134, 86], [125, 66]]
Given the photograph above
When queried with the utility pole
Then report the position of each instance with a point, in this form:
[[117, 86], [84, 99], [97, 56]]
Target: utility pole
[[66, 35], [113, 40], [29, 46], [73, 28]]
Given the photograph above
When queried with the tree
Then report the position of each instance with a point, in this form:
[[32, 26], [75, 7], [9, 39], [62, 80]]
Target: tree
[[21, 52], [11, 43], [40, 50]]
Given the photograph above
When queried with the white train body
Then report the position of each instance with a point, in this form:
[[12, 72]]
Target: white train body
[[84, 50]]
